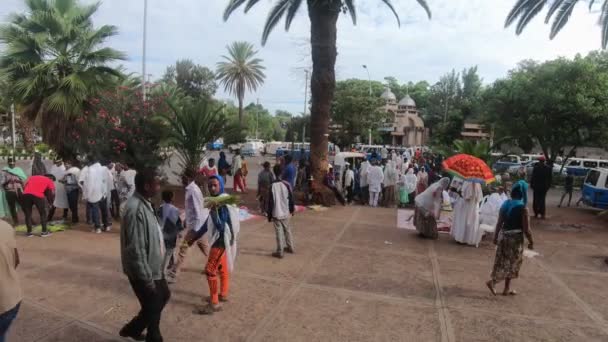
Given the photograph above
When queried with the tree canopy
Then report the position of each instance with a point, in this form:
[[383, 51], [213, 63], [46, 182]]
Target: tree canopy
[[194, 80], [557, 103]]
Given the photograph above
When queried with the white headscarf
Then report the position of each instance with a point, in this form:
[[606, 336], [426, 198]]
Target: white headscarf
[[390, 174], [430, 200], [410, 181]]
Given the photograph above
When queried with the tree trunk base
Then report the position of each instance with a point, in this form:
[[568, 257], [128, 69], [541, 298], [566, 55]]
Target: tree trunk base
[[323, 196]]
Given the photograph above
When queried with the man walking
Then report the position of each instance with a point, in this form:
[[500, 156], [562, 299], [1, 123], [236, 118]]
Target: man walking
[[10, 290], [196, 216], [142, 251], [280, 207], [39, 191], [540, 183]]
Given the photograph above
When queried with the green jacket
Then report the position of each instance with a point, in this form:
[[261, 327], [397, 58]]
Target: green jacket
[[140, 241]]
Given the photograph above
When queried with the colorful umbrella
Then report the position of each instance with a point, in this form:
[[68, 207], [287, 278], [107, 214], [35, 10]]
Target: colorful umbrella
[[469, 168]]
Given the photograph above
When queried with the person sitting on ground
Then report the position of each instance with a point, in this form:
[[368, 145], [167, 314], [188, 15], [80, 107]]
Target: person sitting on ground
[[40, 192], [171, 223], [513, 224], [428, 209], [280, 207]]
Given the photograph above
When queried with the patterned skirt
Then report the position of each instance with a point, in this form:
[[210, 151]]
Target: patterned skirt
[[425, 225], [509, 257]]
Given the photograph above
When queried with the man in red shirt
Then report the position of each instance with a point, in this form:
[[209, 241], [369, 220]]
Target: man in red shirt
[[39, 190]]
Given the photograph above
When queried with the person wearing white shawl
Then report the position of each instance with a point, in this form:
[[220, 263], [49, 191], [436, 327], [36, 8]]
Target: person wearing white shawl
[[390, 181], [61, 197], [428, 209], [363, 181], [375, 177], [222, 228], [466, 214], [410, 182]]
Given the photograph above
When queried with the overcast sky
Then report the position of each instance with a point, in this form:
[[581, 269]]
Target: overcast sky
[[462, 33]]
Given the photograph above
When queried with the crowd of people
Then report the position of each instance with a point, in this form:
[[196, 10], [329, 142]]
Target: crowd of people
[[102, 186], [155, 240]]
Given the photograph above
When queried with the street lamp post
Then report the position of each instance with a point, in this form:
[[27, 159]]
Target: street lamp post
[[369, 79], [143, 66]]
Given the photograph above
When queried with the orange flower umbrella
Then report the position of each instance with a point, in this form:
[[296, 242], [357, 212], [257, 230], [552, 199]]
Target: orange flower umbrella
[[469, 168]]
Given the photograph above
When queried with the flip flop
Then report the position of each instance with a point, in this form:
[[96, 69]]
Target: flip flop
[[489, 285]]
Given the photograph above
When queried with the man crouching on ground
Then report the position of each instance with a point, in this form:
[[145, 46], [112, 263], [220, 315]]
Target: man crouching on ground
[[223, 227]]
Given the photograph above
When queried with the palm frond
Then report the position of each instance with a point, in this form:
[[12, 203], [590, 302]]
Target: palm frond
[[276, 13], [426, 7], [250, 5], [389, 4], [562, 16], [604, 24], [294, 6], [232, 6], [350, 5], [554, 7]]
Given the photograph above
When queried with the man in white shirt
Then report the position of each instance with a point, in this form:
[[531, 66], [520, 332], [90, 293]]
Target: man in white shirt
[[95, 190], [196, 216], [349, 183], [375, 177]]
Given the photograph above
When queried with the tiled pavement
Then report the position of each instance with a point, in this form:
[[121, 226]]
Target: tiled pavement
[[355, 277]]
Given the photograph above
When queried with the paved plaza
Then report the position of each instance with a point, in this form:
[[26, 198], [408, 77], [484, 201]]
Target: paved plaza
[[355, 277]]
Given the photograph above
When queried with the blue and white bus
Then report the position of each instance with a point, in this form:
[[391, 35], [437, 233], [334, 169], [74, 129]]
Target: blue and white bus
[[581, 166], [595, 188]]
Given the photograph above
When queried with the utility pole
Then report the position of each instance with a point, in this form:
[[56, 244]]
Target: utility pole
[[13, 138], [257, 113], [369, 139], [143, 72], [305, 108]]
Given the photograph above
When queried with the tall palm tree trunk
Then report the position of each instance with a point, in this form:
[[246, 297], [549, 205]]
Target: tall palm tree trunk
[[240, 112], [323, 18]]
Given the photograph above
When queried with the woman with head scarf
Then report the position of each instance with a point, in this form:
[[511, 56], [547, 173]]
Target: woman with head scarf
[[422, 181], [465, 226], [390, 181], [428, 209], [222, 165], [513, 224]]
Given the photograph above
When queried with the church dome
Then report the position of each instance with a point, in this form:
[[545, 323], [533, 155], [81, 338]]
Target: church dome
[[407, 101], [388, 95]]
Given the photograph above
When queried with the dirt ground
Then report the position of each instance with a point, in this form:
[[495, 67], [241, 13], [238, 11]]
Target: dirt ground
[[355, 277]]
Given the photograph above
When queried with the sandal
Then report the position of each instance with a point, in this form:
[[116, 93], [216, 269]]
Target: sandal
[[491, 287], [208, 309]]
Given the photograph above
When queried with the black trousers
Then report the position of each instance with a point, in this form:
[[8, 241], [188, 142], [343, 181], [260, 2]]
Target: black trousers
[[12, 198], [538, 204], [52, 214], [152, 304], [115, 207], [73, 203], [27, 203]]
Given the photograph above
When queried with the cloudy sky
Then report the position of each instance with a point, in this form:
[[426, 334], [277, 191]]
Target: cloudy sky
[[461, 33]]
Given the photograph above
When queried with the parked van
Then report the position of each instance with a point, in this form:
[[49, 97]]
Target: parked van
[[506, 162], [581, 166], [595, 188], [340, 161]]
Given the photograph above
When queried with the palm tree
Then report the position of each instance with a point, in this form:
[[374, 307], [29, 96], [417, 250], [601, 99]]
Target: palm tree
[[240, 72], [559, 10], [323, 15], [54, 63], [192, 123]]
